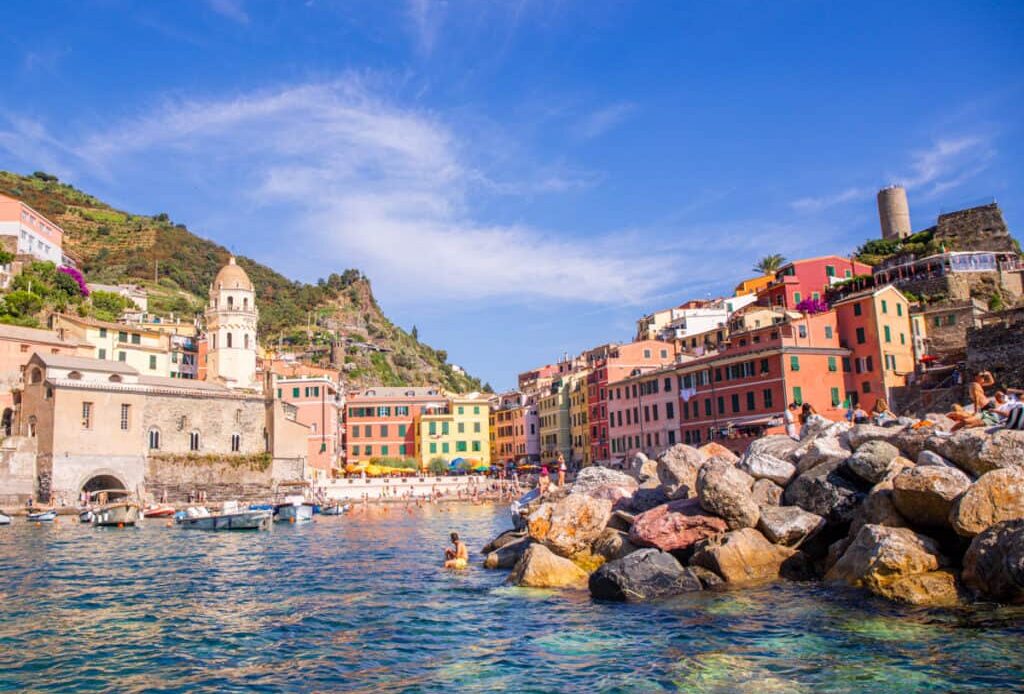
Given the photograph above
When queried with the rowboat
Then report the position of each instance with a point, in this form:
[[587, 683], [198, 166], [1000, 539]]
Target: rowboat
[[4, 519], [116, 514], [230, 518], [158, 511], [335, 509], [294, 510], [41, 516]]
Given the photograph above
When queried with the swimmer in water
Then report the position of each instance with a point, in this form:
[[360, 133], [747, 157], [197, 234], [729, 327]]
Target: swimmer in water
[[457, 558]]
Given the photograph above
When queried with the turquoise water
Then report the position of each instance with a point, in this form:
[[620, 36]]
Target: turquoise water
[[358, 604]]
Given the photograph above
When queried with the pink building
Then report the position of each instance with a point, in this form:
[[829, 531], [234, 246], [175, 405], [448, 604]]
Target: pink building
[[17, 345], [30, 233], [319, 406], [643, 413], [808, 279]]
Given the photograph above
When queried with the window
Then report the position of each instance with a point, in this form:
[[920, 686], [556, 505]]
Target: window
[[885, 306], [647, 354], [815, 295], [888, 333], [103, 332], [433, 428], [796, 297], [670, 410], [476, 427], [866, 386], [384, 450], [229, 340], [476, 409], [193, 441], [764, 366], [136, 339], [798, 395], [383, 431], [802, 330], [903, 339], [828, 332], [236, 443], [668, 385], [869, 364], [751, 405], [835, 397], [444, 428], [125, 418], [899, 309], [832, 364], [460, 446], [830, 271], [461, 427], [122, 356], [476, 446], [152, 362], [735, 402], [401, 449], [295, 392], [122, 336], [154, 439], [856, 309], [938, 321], [951, 319], [707, 407], [102, 354], [355, 431], [846, 365], [664, 354], [87, 415], [433, 448], [721, 405], [861, 338], [794, 363], [462, 410], [767, 394], [401, 430]]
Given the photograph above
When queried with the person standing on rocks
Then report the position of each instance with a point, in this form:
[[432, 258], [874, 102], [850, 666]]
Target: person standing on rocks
[[561, 470], [544, 480], [790, 416]]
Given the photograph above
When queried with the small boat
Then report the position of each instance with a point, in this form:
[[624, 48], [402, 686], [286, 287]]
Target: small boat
[[230, 518], [335, 509], [116, 514], [41, 516], [295, 509], [86, 516], [158, 511], [4, 519], [261, 507]]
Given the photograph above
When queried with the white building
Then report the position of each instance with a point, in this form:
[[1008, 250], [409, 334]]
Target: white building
[[231, 318], [31, 233]]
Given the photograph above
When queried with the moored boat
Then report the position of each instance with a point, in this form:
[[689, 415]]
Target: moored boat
[[116, 514], [230, 518], [86, 516], [4, 519], [295, 509], [41, 516], [334, 509], [158, 511]]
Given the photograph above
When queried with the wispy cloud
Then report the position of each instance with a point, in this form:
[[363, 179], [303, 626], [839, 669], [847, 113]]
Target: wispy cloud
[[367, 182], [812, 204], [44, 59], [602, 120], [232, 9], [425, 19]]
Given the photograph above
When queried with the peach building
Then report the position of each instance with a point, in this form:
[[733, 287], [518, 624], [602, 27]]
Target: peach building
[[379, 421], [36, 235], [17, 345], [875, 326], [319, 406], [515, 430], [643, 413]]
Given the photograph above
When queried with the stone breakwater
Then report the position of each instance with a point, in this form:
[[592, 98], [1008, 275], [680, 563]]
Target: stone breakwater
[[913, 513]]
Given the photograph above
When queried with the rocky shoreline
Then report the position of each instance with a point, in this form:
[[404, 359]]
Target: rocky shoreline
[[914, 513]]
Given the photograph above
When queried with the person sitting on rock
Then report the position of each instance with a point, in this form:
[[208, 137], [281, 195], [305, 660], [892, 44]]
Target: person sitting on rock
[[881, 415], [982, 380], [457, 558]]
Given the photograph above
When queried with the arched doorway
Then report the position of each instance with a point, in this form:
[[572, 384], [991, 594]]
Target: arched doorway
[[5, 423], [101, 482]]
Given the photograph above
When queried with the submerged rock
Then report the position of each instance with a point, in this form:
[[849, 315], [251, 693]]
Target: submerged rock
[[924, 495], [788, 525], [676, 525], [994, 563], [539, 567], [996, 496], [724, 490], [935, 589], [742, 556], [646, 574], [506, 556]]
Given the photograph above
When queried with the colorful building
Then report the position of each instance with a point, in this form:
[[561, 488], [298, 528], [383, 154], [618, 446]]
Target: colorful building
[[553, 415], [379, 421], [808, 279], [613, 362], [736, 395], [17, 345], [875, 326], [459, 430], [31, 233], [515, 430], [579, 422], [145, 349], [319, 406], [753, 285], [643, 413]]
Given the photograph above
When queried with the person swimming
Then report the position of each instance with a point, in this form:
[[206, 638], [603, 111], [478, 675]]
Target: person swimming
[[457, 558]]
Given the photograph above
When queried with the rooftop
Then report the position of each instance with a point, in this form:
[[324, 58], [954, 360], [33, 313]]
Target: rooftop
[[17, 332]]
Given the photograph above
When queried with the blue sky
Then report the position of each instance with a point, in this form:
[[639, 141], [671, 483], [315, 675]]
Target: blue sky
[[520, 179]]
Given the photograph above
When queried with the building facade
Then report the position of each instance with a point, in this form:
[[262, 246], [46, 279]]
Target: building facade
[[17, 345], [145, 349], [460, 430], [319, 406], [231, 319], [579, 422], [36, 235], [380, 421], [809, 279], [643, 413]]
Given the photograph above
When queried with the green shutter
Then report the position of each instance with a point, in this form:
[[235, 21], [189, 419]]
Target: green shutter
[[888, 334], [433, 448], [794, 363], [798, 396], [835, 397], [831, 363]]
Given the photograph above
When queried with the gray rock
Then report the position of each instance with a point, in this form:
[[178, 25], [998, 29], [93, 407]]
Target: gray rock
[[507, 537], [766, 493], [911, 441], [788, 525], [595, 477], [646, 498], [613, 544], [762, 466], [925, 495], [646, 574], [979, 450], [506, 556], [860, 434], [777, 445], [871, 460], [821, 451], [823, 491], [677, 471], [724, 490], [927, 458], [708, 578], [994, 563]]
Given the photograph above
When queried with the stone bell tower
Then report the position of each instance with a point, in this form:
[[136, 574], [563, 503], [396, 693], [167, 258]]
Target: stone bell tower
[[231, 319]]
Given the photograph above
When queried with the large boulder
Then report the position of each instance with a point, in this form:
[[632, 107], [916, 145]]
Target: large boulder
[[979, 450], [879, 557], [506, 556], [927, 458], [825, 492], [777, 445], [818, 427], [871, 460], [507, 537], [645, 498], [763, 466], [859, 434], [569, 525], [994, 563], [933, 589], [676, 525], [648, 472], [539, 567], [788, 525], [924, 495], [877, 509], [646, 574], [612, 544], [724, 490], [595, 478], [821, 451], [911, 441], [766, 493], [996, 496], [677, 471], [716, 451], [742, 556]]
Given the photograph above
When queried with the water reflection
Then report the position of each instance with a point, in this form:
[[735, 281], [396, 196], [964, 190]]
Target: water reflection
[[359, 604]]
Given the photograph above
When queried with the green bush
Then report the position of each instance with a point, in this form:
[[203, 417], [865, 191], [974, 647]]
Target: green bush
[[438, 465], [22, 304]]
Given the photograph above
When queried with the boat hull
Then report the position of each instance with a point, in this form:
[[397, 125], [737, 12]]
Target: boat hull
[[159, 512], [43, 517], [243, 520], [116, 516], [294, 513], [5, 519], [86, 517]]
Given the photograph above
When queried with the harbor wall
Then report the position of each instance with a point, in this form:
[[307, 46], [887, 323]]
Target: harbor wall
[[246, 478], [17, 470]]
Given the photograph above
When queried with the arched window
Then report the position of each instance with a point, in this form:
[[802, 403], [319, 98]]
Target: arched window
[[32, 426], [154, 439], [229, 340], [37, 375], [115, 378], [247, 340], [193, 441], [231, 302], [245, 303], [75, 375], [236, 443]]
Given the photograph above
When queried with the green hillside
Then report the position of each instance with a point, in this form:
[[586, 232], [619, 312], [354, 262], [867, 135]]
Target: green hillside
[[336, 315]]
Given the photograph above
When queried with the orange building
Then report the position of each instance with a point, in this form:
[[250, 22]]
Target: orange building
[[875, 326], [379, 421], [753, 285], [736, 395]]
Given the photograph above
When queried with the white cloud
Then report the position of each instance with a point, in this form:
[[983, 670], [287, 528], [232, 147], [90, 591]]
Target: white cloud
[[812, 204], [425, 18], [602, 120], [369, 184], [232, 9]]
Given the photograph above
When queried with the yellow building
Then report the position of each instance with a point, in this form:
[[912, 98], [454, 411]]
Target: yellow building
[[754, 285], [145, 349], [462, 430], [579, 422]]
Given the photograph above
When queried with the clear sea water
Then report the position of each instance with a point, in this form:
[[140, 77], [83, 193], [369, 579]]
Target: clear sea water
[[358, 604]]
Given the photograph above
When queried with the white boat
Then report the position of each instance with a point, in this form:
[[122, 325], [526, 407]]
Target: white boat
[[41, 516], [4, 519], [86, 515], [230, 518], [295, 509], [335, 509], [116, 514]]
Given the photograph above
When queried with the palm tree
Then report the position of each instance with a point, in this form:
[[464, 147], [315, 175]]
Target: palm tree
[[770, 264]]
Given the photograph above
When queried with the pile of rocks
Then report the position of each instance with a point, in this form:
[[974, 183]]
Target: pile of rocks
[[911, 513]]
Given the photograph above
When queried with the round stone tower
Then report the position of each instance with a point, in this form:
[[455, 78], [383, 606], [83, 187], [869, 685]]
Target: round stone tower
[[231, 318], [894, 213]]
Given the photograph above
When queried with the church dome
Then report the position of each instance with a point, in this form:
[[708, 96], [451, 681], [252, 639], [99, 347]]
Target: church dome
[[232, 276]]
